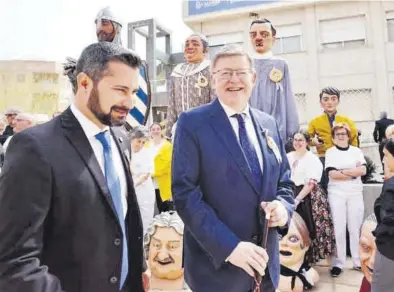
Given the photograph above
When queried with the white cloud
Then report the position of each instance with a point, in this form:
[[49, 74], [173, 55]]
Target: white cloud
[[54, 29]]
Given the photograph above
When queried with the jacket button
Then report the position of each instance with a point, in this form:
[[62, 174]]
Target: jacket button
[[113, 280], [117, 241]]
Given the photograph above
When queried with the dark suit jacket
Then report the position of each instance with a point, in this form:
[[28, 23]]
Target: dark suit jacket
[[8, 131], [380, 129], [58, 226], [214, 194], [384, 212]]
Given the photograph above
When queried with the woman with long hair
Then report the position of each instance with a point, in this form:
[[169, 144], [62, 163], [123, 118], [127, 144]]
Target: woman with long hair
[[161, 151]]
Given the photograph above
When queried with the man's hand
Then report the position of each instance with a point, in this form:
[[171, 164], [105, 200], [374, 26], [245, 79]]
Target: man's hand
[[146, 280], [249, 257], [316, 142], [277, 211]]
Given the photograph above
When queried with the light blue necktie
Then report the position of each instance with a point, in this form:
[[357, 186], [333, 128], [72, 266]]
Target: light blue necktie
[[116, 194], [249, 151]]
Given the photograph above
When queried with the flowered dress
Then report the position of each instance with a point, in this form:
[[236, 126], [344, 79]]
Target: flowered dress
[[314, 209]]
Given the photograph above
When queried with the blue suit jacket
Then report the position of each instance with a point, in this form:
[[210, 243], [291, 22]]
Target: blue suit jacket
[[215, 196]]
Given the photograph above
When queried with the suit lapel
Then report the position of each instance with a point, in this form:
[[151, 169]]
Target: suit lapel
[[124, 154], [259, 127], [75, 134], [222, 126]]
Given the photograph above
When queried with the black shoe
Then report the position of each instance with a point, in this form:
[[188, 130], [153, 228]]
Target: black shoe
[[335, 272]]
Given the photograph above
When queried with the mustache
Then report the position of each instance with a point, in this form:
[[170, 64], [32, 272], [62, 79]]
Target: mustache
[[166, 261], [119, 108]]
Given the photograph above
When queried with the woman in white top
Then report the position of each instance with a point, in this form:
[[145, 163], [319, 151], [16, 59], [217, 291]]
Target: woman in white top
[[142, 169], [311, 201], [345, 164]]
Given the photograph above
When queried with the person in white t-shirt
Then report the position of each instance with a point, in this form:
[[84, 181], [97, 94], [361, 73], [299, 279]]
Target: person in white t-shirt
[[345, 164]]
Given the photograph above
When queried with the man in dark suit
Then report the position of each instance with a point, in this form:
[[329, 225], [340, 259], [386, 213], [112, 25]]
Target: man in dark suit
[[379, 133], [69, 219], [228, 162]]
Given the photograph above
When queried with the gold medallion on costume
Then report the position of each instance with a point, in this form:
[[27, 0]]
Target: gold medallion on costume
[[276, 75], [272, 145], [202, 81]]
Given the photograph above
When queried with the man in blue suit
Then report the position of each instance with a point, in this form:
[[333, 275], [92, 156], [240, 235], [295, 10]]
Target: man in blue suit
[[228, 162]]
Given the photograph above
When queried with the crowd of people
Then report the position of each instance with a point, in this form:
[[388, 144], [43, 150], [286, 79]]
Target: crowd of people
[[91, 189]]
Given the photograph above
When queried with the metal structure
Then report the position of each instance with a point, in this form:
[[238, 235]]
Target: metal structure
[[151, 30]]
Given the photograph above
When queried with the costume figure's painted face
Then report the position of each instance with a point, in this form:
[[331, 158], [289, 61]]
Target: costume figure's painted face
[[329, 103], [194, 50], [165, 254], [367, 249], [261, 37], [112, 98], [292, 249], [105, 30], [233, 80]]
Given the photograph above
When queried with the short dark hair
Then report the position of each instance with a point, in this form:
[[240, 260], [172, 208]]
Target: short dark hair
[[264, 20], [95, 58], [304, 133], [203, 39], [331, 91]]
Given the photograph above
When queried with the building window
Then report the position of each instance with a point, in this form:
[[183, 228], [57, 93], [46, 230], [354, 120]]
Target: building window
[[216, 42], [288, 39], [342, 33], [390, 26]]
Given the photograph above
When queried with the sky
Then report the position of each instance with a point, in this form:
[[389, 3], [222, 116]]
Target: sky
[[53, 29]]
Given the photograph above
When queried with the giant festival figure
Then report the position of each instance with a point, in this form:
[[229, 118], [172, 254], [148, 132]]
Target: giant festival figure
[[163, 244], [190, 81], [108, 29], [273, 92]]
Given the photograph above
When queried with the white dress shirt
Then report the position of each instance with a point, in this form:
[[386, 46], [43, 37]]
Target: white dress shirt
[[250, 130], [91, 130]]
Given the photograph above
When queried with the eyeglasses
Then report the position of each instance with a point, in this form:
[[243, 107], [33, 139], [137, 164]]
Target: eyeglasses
[[340, 134], [299, 140], [227, 74]]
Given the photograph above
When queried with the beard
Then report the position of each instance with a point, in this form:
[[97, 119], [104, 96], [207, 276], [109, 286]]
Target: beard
[[108, 119], [106, 37]]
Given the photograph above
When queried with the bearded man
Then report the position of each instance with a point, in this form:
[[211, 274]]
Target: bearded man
[[69, 218]]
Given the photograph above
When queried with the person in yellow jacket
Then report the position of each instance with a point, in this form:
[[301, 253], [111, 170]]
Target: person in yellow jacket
[[161, 151], [320, 127]]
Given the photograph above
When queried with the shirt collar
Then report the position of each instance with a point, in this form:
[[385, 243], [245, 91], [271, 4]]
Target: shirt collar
[[230, 111], [90, 128]]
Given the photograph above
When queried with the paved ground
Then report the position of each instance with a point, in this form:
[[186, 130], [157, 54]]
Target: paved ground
[[349, 281]]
